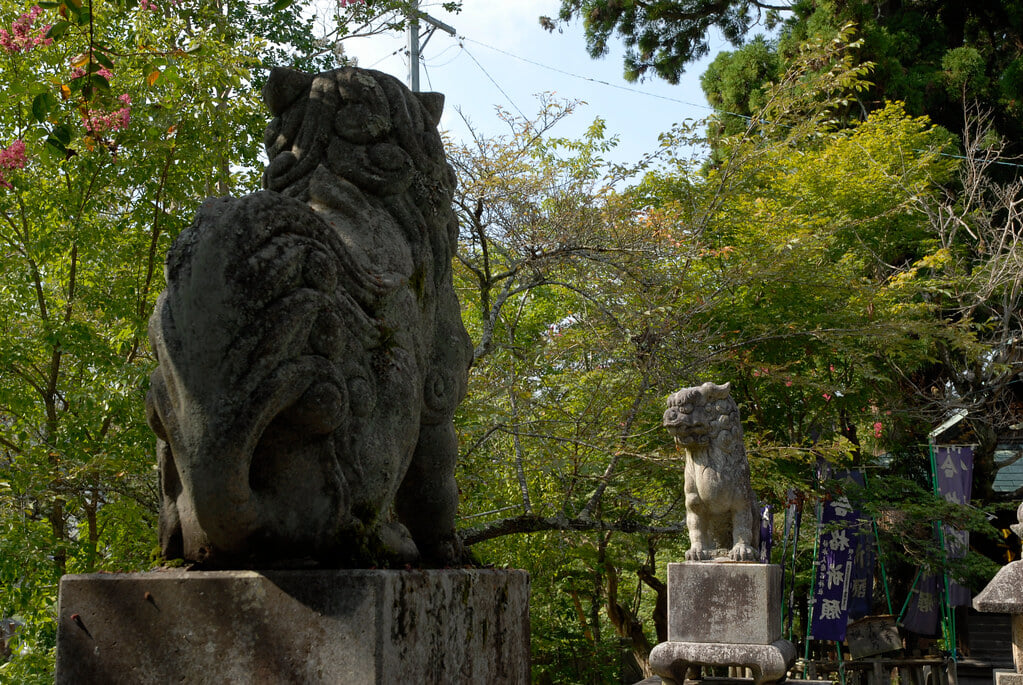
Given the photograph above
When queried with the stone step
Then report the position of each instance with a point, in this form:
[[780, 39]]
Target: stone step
[[656, 680]]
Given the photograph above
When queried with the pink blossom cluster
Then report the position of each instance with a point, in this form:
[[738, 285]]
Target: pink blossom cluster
[[79, 72], [100, 122], [11, 157], [23, 37], [148, 5], [346, 3]]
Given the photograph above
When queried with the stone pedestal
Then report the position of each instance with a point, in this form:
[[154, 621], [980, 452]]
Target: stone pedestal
[[1007, 677], [1004, 595], [723, 614], [321, 626], [723, 602]]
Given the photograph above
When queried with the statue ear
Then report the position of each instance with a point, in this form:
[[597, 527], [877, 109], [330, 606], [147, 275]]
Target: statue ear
[[717, 392], [284, 87], [433, 103]]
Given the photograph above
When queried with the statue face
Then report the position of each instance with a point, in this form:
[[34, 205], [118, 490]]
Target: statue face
[[692, 413]]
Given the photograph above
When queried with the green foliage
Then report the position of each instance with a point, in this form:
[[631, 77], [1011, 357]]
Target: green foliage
[[663, 35], [971, 48], [796, 265], [816, 260], [963, 69], [734, 82], [128, 115]]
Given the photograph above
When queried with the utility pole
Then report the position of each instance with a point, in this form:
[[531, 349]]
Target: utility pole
[[412, 35], [413, 38]]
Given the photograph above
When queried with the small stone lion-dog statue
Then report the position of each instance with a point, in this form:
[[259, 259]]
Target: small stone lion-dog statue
[[720, 505], [310, 345]]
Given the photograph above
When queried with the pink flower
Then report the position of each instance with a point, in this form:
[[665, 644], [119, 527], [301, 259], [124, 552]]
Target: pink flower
[[100, 122], [23, 36], [878, 426], [11, 157], [345, 3], [826, 396], [79, 72], [147, 5]]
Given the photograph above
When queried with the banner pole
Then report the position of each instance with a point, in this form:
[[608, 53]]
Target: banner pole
[[813, 590], [947, 621]]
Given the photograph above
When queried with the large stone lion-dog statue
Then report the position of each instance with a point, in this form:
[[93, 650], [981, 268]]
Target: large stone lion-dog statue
[[310, 346], [720, 505]]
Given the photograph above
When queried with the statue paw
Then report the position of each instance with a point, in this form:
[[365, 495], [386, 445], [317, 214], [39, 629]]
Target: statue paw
[[447, 552], [697, 554], [743, 552], [394, 545]]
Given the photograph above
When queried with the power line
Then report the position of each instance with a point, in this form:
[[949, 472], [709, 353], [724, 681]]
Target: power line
[[386, 57], [463, 39], [426, 71], [496, 84], [595, 80], [713, 109]]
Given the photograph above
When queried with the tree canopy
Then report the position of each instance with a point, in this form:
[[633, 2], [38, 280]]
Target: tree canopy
[[852, 278], [933, 55], [798, 266], [117, 120], [664, 36]]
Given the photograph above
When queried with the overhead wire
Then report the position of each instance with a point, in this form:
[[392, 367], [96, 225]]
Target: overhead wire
[[595, 80], [496, 84], [457, 47], [386, 57], [713, 109], [426, 71], [464, 39]]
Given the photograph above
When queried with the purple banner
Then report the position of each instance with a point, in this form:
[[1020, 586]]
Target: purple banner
[[954, 474], [924, 604], [861, 585], [838, 533], [766, 534]]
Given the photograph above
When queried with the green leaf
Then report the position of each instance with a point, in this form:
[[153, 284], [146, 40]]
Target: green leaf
[[102, 59], [62, 133], [58, 29], [282, 4], [56, 145], [42, 105]]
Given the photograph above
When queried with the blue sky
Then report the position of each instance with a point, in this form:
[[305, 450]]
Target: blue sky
[[502, 57]]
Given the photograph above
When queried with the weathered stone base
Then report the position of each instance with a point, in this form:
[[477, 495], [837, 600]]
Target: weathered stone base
[[723, 602], [1006, 677], [656, 680], [317, 626], [769, 663]]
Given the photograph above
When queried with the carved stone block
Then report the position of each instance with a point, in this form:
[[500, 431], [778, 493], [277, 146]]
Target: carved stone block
[[1007, 677], [724, 603], [309, 627], [769, 663], [1003, 595]]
